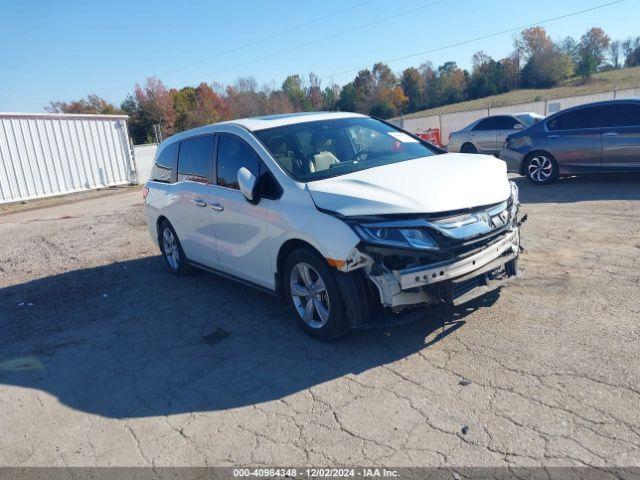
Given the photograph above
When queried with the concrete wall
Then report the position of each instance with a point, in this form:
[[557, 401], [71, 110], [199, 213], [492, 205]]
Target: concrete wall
[[451, 122], [145, 156]]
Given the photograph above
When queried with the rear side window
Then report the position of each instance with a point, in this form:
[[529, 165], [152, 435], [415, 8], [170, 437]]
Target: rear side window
[[623, 115], [164, 168], [194, 161], [505, 123], [486, 124], [233, 154], [593, 117]]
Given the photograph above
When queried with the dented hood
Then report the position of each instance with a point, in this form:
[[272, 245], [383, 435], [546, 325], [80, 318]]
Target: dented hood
[[440, 183]]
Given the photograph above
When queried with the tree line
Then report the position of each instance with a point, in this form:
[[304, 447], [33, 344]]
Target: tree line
[[536, 61]]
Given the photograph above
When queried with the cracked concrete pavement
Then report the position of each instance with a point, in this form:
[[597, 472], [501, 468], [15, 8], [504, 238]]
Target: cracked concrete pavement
[[106, 359]]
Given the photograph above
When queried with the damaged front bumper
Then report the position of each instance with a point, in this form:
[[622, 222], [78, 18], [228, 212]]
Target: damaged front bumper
[[499, 253], [427, 260], [455, 281]]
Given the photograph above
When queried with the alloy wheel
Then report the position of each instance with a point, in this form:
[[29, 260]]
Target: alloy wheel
[[309, 295], [540, 168], [170, 247]]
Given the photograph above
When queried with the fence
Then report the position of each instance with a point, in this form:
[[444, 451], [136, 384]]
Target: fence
[[51, 154], [451, 122], [144, 155]]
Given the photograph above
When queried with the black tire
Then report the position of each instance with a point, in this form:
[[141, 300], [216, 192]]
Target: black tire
[[512, 267], [541, 168], [468, 148], [175, 260], [331, 325]]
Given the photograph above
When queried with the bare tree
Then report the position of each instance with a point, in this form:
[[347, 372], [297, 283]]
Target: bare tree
[[615, 53]]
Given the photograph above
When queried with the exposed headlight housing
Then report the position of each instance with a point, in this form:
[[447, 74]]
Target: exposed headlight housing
[[515, 194], [394, 236]]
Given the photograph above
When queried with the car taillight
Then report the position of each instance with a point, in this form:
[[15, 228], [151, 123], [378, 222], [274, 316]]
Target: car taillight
[[145, 192]]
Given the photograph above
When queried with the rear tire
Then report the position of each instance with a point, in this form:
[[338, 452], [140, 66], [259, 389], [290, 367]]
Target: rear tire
[[172, 252], [468, 148], [541, 168], [314, 296]]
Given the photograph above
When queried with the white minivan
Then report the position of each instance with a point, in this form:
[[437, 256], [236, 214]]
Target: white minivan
[[347, 218]]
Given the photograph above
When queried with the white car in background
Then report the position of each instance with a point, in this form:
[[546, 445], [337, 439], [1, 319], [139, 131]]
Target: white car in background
[[346, 218], [489, 134]]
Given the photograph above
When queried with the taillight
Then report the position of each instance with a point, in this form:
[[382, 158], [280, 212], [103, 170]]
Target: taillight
[[145, 192]]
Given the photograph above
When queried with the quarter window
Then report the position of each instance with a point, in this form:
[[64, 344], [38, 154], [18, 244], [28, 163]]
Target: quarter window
[[505, 123], [194, 161], [623, 115], [486, 124], [592, 117], [233, 154], [164, 167]]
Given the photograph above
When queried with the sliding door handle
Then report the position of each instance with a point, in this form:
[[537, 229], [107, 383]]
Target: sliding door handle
[[610, 134], [217, 207]]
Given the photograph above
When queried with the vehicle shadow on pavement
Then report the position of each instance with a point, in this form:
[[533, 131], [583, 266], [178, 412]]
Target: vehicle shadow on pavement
[[619, 186], [131, 340]]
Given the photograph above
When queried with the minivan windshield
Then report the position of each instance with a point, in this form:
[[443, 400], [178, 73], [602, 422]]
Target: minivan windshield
[[328, 148], [527, 119]]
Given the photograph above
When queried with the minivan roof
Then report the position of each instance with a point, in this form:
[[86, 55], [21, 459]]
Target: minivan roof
[[260, 123], [279, 120]]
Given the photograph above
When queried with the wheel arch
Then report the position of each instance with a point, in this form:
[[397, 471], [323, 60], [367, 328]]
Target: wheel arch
[[357, 291], [533, 153], [470, 144], [285, 250], [159, 220]]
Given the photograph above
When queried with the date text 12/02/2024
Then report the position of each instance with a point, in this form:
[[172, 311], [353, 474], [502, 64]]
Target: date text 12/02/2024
[[316, 472]]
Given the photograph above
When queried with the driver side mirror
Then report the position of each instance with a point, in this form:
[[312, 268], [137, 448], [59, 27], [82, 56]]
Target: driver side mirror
[[247, 182], [518, 126]]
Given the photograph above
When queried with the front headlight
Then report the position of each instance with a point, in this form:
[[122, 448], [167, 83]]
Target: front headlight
[[411, 238]]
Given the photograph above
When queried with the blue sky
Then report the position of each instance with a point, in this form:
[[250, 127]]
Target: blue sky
[[66, 49]]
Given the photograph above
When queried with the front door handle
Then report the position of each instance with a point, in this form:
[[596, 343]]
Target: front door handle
[[217, 207], [199, 202], [553, 136], [610, 134]]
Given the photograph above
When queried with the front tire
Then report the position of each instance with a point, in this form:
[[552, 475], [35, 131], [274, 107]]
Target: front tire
[[541, 169], [172, 252], [314, 296]]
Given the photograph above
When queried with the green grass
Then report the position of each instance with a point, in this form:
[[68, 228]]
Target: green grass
[[600, 82]]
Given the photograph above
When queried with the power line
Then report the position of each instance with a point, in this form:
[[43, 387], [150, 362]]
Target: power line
[[257, 42], [323, 39], [464, 42], [269, 37]]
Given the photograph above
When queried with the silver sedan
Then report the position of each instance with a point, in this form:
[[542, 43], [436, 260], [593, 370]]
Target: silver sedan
[[488, 134]]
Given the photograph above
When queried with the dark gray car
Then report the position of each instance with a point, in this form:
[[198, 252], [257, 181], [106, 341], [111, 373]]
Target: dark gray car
[[593, 138]]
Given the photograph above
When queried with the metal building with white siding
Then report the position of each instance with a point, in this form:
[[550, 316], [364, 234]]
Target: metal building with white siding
[[45, 154]]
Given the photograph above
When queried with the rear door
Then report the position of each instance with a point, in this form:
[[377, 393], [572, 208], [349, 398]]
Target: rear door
[[190, 217], [483, 135], [574, 138], [621, 137]]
